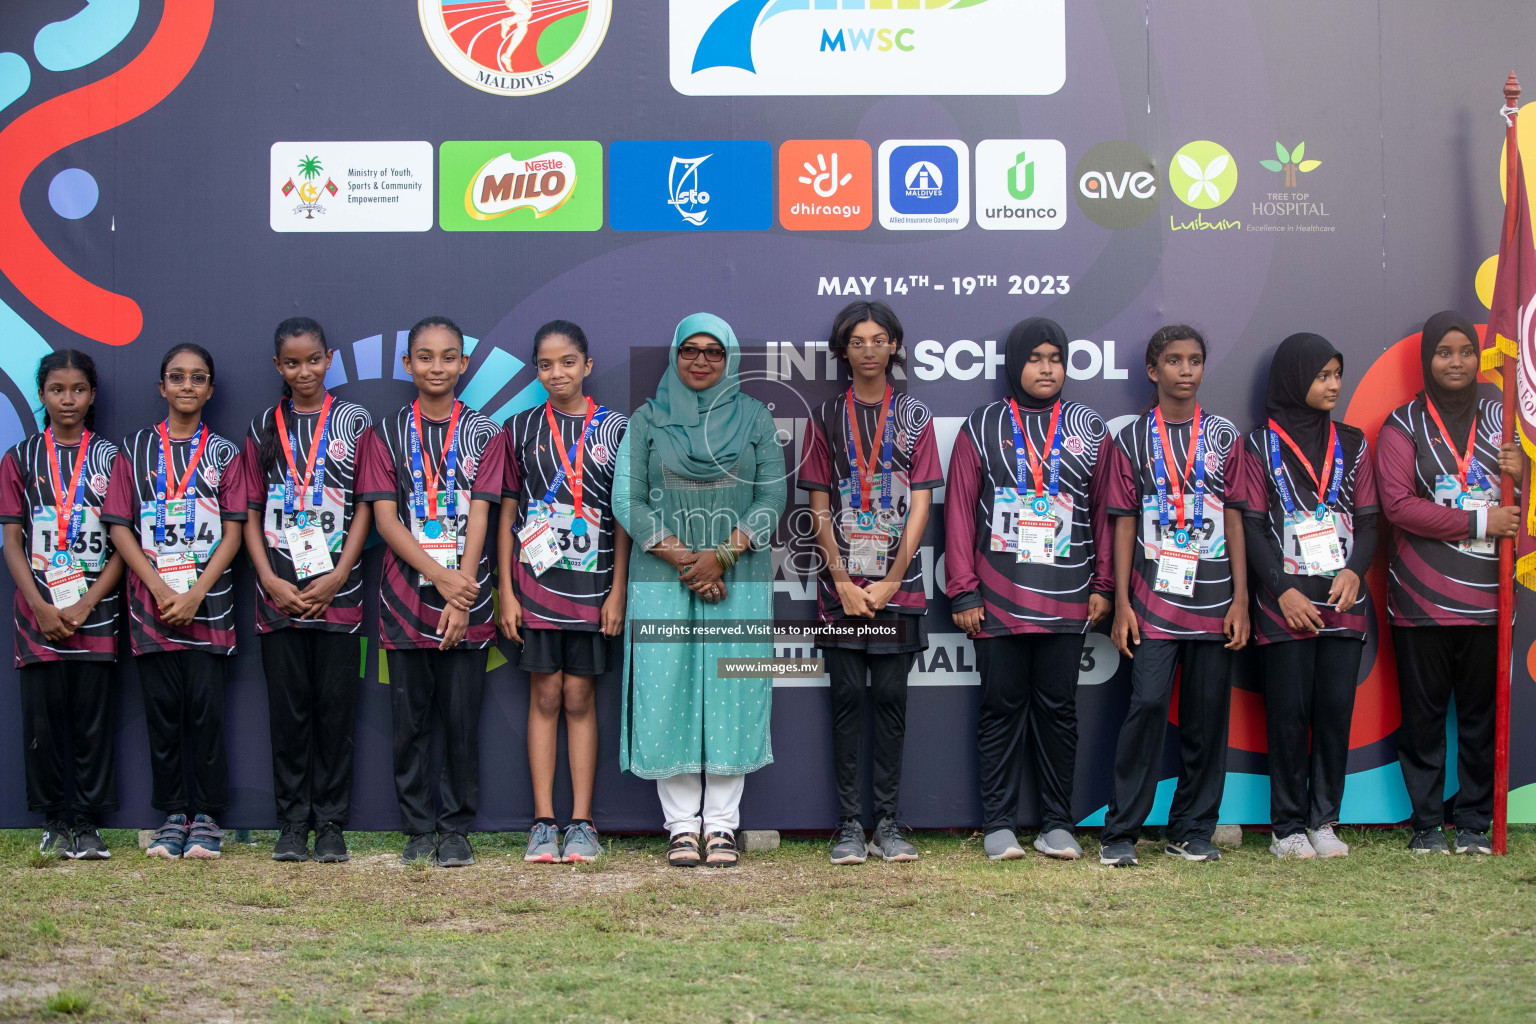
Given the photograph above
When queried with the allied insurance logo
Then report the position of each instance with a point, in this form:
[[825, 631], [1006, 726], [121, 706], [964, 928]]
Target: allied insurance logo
[[515, 47], [703, 185], [867, 47], [925, 185], [521, 186]]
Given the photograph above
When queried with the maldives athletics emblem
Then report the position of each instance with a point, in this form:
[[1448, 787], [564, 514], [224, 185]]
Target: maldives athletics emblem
[[515, 47]]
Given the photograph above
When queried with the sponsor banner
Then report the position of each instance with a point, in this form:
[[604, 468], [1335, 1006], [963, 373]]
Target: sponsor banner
[[1021, 184], [514, 47], [925, 185], [826, 185], [868, 47], [1116, 185], [714, 185], [521, 186], [351, 186]]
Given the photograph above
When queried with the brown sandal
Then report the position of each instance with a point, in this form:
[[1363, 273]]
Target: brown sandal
[[683, 851], [720, 850]]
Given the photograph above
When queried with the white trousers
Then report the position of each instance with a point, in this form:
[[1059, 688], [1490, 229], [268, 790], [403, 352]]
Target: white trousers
[[683, 797]]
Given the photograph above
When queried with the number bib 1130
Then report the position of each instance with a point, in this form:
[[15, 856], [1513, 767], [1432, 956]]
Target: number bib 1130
[[574, 551]]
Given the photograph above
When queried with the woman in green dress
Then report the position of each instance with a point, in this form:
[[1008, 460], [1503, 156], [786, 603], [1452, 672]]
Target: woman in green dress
[[699, 487]]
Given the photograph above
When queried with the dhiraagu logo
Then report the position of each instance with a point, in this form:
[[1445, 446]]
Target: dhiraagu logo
[[867, 47]]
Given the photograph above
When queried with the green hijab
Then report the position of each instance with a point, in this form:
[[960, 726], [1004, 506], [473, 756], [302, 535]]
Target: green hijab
[[701, 434]]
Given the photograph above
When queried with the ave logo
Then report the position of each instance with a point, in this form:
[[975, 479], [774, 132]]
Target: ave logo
[[1116, 185]]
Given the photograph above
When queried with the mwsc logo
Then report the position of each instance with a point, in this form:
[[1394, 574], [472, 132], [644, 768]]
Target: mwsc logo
[[514, 47]]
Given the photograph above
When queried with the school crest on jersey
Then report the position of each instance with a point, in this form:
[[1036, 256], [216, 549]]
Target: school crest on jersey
[[99, 484], [469, 464], [1073, 444], [337, 449], [212, 475], [600, 454]]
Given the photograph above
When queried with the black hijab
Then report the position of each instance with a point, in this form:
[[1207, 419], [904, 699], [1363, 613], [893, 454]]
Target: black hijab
[[1456, 408], [1297, 362], [1026, 336]]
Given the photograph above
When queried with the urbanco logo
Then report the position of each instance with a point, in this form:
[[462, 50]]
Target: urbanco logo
[[826, 184], [1116, 185], [514, 47], [521, 186], [1021, 184], [1203, 174], [867, 47]]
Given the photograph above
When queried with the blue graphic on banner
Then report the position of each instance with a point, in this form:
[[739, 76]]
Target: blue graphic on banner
[[924, 179], [691, 186]]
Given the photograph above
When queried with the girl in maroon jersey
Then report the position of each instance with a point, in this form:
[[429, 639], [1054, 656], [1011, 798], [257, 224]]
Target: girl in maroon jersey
[[1175, 485], [1311, 531], [51, 489], [1438, 462], [175, 505]]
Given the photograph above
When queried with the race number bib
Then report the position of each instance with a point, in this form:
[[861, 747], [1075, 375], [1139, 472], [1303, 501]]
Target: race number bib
[[1210, 533], [1314, 547], [456, 529], [330, 517], [1448, 492], [199, 545], [1176, 569], [90, 549], [574, 550], [1049, 536]]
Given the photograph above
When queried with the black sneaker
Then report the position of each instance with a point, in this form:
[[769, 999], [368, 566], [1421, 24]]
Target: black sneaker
[[420, 848], [87, 844], [453, 850], [1118, 855], [330, 845], [1471, 841], [1428, 840], [56, 838], [292, 842], [1193, 849], [848, 845]]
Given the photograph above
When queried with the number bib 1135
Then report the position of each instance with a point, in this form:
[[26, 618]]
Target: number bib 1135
[[90, 548]]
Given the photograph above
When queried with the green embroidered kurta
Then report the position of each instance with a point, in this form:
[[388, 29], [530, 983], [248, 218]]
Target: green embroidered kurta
[[678, 716]]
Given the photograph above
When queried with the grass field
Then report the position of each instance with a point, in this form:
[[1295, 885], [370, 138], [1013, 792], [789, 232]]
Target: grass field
[[1382, 936]]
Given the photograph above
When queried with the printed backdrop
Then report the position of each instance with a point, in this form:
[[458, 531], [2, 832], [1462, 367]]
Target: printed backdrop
[[174, 172]]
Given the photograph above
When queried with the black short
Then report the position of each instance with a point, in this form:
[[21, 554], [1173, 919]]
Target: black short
[[579, 652]]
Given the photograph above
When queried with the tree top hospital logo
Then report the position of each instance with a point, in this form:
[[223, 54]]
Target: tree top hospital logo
[[514, 47], [867, 47], [924, 185]]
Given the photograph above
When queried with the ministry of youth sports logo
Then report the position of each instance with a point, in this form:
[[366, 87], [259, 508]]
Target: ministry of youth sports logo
[[515, 47]]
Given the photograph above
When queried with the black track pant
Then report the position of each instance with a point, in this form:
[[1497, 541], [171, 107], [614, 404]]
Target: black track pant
[[887, 674], [1028, 690], [1205, 699], [69, 704], [184, 710], [1309, 701], [426, 688], [312, 681], [1433, 664]]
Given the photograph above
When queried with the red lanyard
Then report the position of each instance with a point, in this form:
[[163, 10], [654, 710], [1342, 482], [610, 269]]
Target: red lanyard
[[1036, 460], [1463, 463], [572, 473], [1320, 483], [428, 470], [302, 486], [175, 492], [66, 504], [865, 467], [1176, 485]]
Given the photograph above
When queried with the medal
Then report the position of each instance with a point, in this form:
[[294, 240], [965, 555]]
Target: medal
[[579, 527], [301, 519], [1322, 510], [1042, 505], [866, 520], [61, 559], [1181, 538], [432, 528]]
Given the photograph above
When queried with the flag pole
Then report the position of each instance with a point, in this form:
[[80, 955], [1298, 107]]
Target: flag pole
[[1506, 489]]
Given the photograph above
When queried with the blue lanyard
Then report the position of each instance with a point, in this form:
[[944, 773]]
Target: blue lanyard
[[575, 449], [1041, 503], [1277, 468], [1476, 477], [855, 456], [188, 483], [1160, 471], [419, 484]]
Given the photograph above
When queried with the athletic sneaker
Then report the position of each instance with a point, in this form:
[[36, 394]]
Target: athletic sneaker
[[204, 839], [1002, 844], [581, 844], [330, 844], [1293, 847], [453, 850], [171, 839], [1470, 841], [87, 844], [888, 843], [1193, 849], [56, 838], [1327, 843], [292, 842], [1428, 840], [543, 844], [848, 843], [1058, 843], [1118, 855], [420, 848]]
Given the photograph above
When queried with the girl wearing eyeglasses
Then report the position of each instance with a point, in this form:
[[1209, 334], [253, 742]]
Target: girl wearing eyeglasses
[[175, 505], [870, 465]]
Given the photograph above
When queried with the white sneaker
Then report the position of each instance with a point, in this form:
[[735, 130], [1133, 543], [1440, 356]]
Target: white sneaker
[[1327, 844], [1293, 846]]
